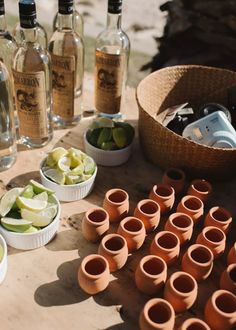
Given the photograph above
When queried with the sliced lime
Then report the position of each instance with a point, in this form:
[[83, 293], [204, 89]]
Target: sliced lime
[[39, 188], [30, 204], [78, 170], [1, 252], [119, 136], [57, 153], [73, 179], [30, 230], [55, 175], [50, 162], [89, 165], [76, 156], [28, 191], [86, 176], [8, 199], [64, 164], [17, 225], [43, 196], [40, 219]]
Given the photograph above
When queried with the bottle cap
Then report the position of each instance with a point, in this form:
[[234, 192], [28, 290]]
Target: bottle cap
[[114, 6], [2, 7], [66, 7], [27, 9]]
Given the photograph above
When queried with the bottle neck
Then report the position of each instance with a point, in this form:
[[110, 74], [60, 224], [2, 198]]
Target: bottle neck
[[65, 21], [114, 21], [30, 35], [3, 24]]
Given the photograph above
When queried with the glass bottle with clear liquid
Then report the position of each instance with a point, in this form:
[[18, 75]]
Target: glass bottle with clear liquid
[[32, 82], [7, 128], [67, 52], [111, 62]]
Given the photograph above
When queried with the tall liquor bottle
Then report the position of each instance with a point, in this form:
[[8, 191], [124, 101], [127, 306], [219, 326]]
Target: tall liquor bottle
[[7, 128], [32, 82], [7, 42], [42, 35], [111, 62], [67, 52]]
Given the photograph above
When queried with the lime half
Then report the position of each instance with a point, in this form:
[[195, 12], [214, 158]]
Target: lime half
[[8, 200]]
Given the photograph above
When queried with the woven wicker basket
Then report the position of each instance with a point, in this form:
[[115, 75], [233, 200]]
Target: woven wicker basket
[[176, 85]]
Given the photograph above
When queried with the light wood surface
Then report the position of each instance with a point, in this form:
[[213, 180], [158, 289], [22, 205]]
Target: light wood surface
[[41, 290]]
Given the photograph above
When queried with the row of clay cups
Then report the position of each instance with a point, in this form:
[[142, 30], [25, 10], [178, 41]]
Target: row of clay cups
[[219, 314]]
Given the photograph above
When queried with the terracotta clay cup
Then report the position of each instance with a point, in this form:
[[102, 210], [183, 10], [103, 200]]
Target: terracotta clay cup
[[95, 224], [201, 189], [213, 238], [116, 203], [181, 225], [157, 314], [164, 195], [228, 279], [194, 324], [218, 217], [114, 248], [133, 230], [175, 178], [220, 310], [166, 246], [231, 257], [148, 211], [198, 261], [193, 206], [151, 274], [181, 291], [93, 275]]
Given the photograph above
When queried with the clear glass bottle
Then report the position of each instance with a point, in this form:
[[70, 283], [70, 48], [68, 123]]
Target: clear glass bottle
[[7, 128], [32, 82], [78, 23], [111, 62], [67, 52], [19, 36], [7, 43]]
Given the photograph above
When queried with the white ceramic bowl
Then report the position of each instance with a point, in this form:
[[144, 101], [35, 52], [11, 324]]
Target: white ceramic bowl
[[34, 240], [69, 193], [3, 263], [107, 157]]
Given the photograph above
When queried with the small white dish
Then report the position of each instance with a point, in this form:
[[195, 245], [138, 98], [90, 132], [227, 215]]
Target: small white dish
[[107, 157], [69, 193], [34, 240], [3, 262]]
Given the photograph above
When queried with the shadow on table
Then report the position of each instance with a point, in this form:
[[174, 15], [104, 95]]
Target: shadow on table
[[23, 179]]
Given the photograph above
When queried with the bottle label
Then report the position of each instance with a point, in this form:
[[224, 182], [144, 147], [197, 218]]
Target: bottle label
[[109, 76], [63, 84], [31, 105]]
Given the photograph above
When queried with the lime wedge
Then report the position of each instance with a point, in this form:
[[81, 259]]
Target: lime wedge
[[50, 161], [55, 175], [17, 225], [119, 136], [39, 188], [101, 122], [30, 230], [40, 219], [57, 153], [1, 252], [73, 179], [76, 156], [41, 197], [64, 164], [89, 165], [30, 204], [78, 170], [28, 191], [8, 200]]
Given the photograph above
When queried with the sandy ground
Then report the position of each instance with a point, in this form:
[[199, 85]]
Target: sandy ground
[[142, 20]]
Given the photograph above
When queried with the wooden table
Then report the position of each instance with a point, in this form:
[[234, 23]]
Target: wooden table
[[41, 290]]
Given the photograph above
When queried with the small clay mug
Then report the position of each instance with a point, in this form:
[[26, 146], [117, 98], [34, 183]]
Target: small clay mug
[[181, 225], [148, 211], [114, 248], [95, 224], [201, 189], [181, 291], [198, 261], [194, 324], [157, 314], [165, 245], [228, 279], [218, 217], [231, 257], [133, 230], [193, 206], [175, 178], [93, 275], [213, 238], [220, 310], [151, 274], [164, 195], [116, 203]]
